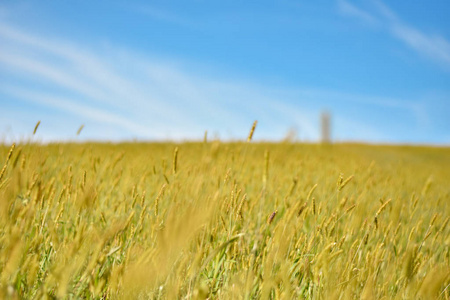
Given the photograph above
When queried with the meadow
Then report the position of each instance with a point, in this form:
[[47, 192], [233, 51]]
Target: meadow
[[216, 220]]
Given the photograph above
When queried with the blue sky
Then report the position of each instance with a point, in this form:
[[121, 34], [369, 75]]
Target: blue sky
[[161, 70]]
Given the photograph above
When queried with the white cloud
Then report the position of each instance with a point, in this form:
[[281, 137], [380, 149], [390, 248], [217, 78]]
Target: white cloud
[[160, 14], [71, 106], [152, 98], [41, 70], [349, 9], [385, 11], [432, 46], [149, 91]]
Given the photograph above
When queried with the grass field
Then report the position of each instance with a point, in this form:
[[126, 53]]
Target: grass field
[[224, 221]]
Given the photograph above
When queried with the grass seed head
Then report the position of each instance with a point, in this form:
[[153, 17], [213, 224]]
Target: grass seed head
[[36, 127], [175, 160], [250, 135], [271, 217]]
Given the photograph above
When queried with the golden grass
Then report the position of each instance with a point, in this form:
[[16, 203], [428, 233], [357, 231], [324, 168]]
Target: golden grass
[[227, 221]]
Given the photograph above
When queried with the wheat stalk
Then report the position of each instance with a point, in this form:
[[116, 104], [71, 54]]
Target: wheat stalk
[[2, 172], [36, 127], [252, 130]]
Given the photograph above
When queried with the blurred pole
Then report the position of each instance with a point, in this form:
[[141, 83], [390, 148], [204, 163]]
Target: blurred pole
[[325, 122]]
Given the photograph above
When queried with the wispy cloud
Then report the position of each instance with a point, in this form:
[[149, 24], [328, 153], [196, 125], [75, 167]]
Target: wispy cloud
[[121, 88], [148, 97], [349, 9], [432, 46], [161, 15], [71, 106]]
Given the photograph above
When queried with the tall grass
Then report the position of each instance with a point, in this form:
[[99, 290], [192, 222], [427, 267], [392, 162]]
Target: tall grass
[[224, 221]]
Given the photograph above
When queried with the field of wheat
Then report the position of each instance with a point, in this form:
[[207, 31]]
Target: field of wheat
[[217, 220]]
